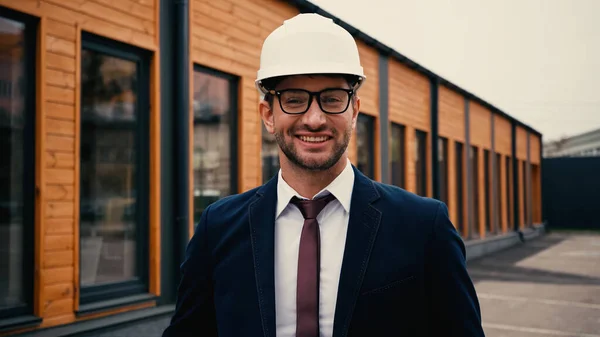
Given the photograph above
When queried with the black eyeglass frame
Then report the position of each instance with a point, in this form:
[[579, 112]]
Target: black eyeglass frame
[[312, 94]]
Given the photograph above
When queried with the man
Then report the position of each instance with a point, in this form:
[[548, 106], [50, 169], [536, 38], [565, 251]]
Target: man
[[320, 249]]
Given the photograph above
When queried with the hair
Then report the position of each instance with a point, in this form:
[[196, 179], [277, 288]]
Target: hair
[[271, 83]]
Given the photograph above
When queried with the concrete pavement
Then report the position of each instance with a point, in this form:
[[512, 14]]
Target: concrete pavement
[[546, 287]]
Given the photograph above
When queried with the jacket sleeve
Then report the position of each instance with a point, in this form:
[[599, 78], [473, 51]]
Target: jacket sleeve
[[194, 310], [454, 304]]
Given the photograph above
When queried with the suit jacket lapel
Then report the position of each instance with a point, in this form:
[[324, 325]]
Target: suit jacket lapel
[[362, 230], [262, 232]]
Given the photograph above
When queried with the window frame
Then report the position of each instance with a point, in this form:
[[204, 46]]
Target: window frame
[[140, 285], [402, 155], [370, 123], [421, 152], [234, 91], [475, 213], [31, 24], [487, 176], [460, 191], [444, 163]]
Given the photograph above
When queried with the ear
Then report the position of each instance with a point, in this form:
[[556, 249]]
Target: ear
[[266, 113], [355, 110]]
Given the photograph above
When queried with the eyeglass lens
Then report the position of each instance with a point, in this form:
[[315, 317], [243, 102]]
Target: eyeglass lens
[[331, 100]]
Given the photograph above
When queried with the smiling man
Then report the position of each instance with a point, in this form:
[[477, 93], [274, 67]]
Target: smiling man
[[320, 249]]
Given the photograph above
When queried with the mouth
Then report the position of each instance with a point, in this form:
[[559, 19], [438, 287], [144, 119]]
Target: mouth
[[313, 139]]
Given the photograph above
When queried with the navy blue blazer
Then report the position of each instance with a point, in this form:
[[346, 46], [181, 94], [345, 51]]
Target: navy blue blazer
[[403, 270]]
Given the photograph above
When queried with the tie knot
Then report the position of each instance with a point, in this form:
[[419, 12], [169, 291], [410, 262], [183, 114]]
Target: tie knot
[[311, 208]]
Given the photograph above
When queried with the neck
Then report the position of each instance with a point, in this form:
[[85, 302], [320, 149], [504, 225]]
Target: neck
[[308, 183]]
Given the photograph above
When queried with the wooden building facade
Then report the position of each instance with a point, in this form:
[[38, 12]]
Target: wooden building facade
[[122, 120]]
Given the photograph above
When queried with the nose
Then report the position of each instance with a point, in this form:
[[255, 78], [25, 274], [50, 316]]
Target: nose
[[314, 117]]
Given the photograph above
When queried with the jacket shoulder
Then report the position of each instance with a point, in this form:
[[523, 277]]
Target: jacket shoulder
[[399, 197]]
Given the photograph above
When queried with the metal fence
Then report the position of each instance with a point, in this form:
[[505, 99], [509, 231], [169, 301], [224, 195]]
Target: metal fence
[[571, 192]]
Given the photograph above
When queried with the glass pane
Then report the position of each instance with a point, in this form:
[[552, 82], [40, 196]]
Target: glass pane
[[397, 156], [12, 148], [109, 164], [270, 155], [364, 145], [421, 162], [212, 140]]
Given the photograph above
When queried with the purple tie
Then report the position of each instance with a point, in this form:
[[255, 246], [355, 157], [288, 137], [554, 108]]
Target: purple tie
[[307, 295]]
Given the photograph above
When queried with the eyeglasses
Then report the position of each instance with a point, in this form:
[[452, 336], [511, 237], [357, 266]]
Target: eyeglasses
[[298, 101]]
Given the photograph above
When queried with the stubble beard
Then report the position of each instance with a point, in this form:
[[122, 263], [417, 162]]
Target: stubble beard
[[289, 150]]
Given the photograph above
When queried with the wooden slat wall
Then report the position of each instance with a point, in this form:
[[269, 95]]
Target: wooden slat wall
[[227, 35], [369, 99], [480, 126], [409, 105], [369, 92], [452, 126], [534, 149], [451, 114], [521, 143], [502, 135], [57, 131]]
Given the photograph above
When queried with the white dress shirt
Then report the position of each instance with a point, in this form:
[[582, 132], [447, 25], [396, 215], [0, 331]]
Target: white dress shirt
[[333, 223]]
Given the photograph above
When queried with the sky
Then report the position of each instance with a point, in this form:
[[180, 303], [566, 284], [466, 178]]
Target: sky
[[536, 60]]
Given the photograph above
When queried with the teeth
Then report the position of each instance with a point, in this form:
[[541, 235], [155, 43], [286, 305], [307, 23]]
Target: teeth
[[313, 139]]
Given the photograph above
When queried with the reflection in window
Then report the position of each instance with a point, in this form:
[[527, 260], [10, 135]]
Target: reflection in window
[[398, 159], [114, 168], [421, 162], [214, 109], [270, 156], [16, 167], [365, 146], [443, 165]]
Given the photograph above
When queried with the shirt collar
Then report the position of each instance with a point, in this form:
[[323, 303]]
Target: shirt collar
[[341, 187]]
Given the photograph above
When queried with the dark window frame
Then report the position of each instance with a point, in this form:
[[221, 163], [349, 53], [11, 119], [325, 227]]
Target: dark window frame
[[508, 184], [29, 161], [234, 82], [421, 144], [498, 215], [460, 194], [370, 123], [444, 168], [140, 285], [474, 158], [487, 176], [401, 173]]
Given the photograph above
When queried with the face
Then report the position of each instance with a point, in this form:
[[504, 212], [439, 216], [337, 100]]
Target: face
[[315, 140]]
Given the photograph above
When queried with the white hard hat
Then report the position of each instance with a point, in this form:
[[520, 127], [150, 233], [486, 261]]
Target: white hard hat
[[309, 44]]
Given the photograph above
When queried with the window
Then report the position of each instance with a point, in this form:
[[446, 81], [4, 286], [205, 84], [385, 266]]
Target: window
[[421, 162], [475, 190], [509, 209], [498, 183], [487, 189], [114, 170], [460, 194], [443, 165], [398, 160], [525, 193], [365, 145], [215, 134], [17, 173], [270, 155]]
